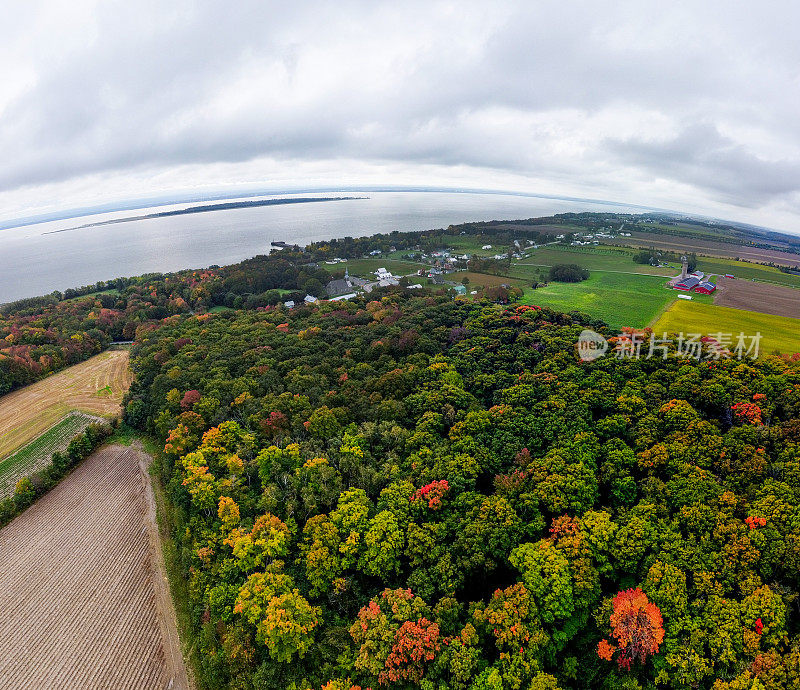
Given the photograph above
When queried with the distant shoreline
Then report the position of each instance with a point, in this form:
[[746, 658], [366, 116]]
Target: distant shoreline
[[227, 206]]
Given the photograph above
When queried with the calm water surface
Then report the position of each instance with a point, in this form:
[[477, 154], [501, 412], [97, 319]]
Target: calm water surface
[[35, 263]]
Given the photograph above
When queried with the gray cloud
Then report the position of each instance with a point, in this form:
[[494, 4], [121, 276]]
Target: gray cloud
[[701, 156], [689, 105]]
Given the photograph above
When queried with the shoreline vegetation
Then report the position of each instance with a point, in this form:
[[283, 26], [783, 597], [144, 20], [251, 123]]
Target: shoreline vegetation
[[227, 206]]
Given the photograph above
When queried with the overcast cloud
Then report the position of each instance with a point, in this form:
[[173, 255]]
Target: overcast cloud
[[692, 106]]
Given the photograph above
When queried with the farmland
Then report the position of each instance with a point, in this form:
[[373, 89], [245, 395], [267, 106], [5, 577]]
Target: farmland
[[778, 332], [81, 585], [484, 279], [37, 453], [95, 386], [709, 247], [759, 297], [595, 259], [616, 298], [748, 271]]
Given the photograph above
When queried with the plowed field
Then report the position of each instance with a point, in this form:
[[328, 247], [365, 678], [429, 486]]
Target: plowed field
[[82, 591], [761, 297]]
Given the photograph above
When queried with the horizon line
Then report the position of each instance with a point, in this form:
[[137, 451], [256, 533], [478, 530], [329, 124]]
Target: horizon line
[[251, 192]]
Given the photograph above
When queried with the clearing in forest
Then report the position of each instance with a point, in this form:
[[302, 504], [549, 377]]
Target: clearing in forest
[[82, 589], [95, 386]]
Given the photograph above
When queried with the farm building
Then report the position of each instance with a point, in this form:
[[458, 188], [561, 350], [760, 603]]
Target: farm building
[[705, 287], [688, 283]]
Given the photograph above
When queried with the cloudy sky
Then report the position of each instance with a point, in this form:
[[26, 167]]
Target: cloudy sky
[[692, 106]]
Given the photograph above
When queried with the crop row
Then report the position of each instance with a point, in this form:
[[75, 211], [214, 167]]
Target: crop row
[[37, 453]]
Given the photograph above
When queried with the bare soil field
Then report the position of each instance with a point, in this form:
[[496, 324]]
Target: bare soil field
[[95, 386], [708, 247], [82, 589], [759, 297]]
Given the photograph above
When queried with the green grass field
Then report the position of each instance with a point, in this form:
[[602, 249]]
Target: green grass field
[[777, 332], [616, 298], [597, 258], [364, 267], [471, 244], [38, 452]]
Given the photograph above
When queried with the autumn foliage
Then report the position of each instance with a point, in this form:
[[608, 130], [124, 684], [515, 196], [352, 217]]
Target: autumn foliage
[[353, 509], [747, 412], [415, 644], [637, 627], [189, 400], [433, 493]]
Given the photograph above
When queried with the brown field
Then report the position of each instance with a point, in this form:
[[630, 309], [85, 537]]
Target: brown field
[[707, 247], [82, 589], [28, 412], [763, 298]]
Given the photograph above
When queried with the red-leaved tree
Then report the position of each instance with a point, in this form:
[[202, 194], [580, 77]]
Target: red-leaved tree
[[637, 627], [415, 645], [189, 399]]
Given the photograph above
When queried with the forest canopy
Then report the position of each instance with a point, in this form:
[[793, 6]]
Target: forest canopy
[[421, 492]]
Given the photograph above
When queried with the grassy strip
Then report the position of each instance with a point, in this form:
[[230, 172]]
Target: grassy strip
[[749, 271], [35, 455]]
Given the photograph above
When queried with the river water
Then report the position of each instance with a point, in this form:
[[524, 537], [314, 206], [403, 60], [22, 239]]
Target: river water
[[36, 261]]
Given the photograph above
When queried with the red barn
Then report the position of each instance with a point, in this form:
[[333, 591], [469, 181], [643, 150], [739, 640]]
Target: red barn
[[705, 288], [688, 283]]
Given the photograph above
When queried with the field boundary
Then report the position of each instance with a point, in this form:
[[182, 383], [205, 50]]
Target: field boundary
[[28, 412], [177, 584], [11, 470], [72, 413], [165, 602]]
